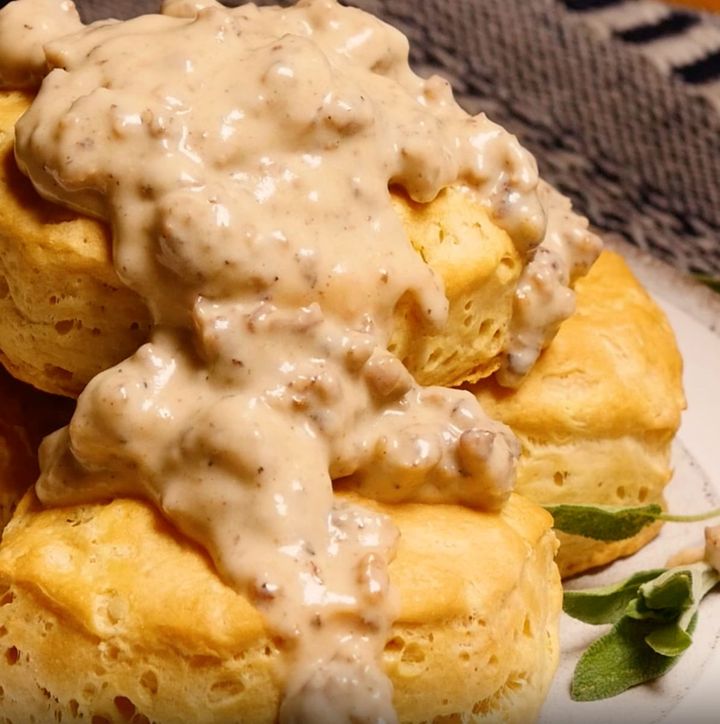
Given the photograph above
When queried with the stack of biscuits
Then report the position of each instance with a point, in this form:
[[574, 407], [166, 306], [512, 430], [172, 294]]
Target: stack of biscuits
[[83, 634]]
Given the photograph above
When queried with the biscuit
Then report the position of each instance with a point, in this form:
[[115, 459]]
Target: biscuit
[[26, 415], [597, 414], [480, 270], [156, 636], [65, 315]]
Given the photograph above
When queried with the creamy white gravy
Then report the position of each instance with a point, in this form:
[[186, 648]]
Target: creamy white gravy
[[544, 297], [24, 30], [243, 158]]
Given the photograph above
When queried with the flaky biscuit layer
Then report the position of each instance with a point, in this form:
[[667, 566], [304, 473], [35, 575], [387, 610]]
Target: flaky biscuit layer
[[107, 612], [597, 415]]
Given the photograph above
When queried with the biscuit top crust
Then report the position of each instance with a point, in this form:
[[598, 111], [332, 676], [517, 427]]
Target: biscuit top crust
[[243, 158]]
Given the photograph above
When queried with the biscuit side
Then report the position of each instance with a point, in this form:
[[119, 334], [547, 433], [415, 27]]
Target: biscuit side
[[156, 636]]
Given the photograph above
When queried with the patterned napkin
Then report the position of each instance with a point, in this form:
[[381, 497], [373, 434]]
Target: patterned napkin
[[619, 101]]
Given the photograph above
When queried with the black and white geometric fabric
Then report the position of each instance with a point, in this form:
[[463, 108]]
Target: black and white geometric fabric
[[618, 99], [679, 42]]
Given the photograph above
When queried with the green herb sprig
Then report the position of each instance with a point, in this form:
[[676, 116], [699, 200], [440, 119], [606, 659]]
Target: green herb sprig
[[712, 281], [610, 523], [653, 613]]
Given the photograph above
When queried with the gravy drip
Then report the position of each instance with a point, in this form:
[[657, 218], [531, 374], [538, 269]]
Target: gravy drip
[[544, 297], [243, 158]]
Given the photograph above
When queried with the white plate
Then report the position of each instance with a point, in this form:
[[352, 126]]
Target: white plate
[[690, 692]]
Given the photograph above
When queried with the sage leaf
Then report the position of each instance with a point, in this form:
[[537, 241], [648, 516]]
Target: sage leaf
[[606, 604], [672, 589], [618, 661], [649, 635], [679, 591], [669, 640], [637, 609], [703, 579], [711, 281], [603, 522]]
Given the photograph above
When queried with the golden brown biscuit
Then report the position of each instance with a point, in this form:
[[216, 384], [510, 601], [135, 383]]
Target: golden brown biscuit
[[155, 636], [65, 316], [597, 414], [480, 270], [26, 415]]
